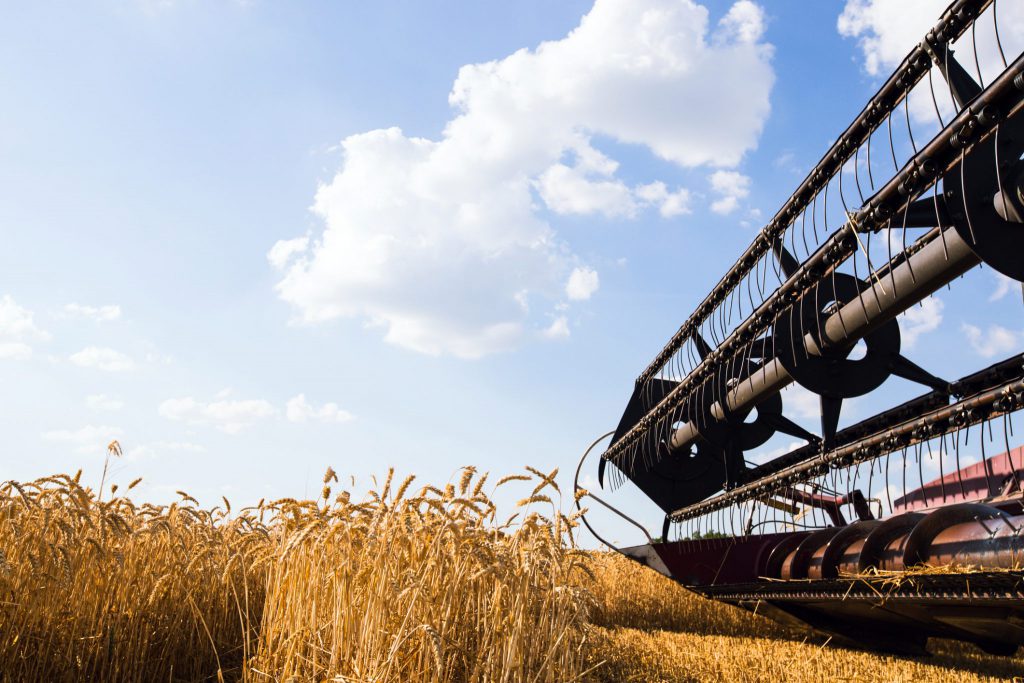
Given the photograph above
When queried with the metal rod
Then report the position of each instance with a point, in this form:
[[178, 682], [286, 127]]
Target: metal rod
[[924, 273], [969, 411], [583, 515]]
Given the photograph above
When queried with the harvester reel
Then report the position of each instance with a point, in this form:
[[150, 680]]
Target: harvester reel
[[993, 179], [780, 317], [730, 437], [833, 374]]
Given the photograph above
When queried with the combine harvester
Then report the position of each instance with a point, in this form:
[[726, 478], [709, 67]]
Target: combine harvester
[[847, 534]]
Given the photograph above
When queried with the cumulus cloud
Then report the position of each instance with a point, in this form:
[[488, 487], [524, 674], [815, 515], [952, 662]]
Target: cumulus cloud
[[582, 284], [102, 402], [229, 416], [743, 23], [800, 403], [670, 204], [586, 187], [887, 30], [558, 329], [283, 251], [919, 320], [17, 330], [730, 187], [589, 186], [17, 322], [97, 313], [1004, 285], [90, 438], [299, 409], [435, 241], [995, 341], [102, 358]]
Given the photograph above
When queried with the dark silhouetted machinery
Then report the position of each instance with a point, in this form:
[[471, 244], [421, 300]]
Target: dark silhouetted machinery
[[905, 525]]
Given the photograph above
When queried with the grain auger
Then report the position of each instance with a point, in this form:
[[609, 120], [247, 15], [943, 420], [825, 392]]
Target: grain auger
[[908, 524]]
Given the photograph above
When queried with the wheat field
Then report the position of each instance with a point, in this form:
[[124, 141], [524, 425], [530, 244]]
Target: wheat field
[[410, 583]]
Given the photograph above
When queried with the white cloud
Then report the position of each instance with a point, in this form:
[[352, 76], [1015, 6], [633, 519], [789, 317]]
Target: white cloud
[[744, 23], [888, 29], [104, 359], [558, 329], [586, 187], [17, 322], [804, 407], [523, 299], [230, 417], [995, 341], [589, 187], [435, 240], [725, 205], [96, 313], [921, 319], [17, 329], [670, 204], [299, 409], [582, 284], [799, 403], [1004, 285], [730, 187], [88, 438], [102, 402], [566, 190], [283, 251], [15, 351]]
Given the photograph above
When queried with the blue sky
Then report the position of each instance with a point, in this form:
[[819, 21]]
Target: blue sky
[[479, 287]]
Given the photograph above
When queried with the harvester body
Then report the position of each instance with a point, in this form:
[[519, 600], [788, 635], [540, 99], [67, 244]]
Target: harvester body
[[907, 524]]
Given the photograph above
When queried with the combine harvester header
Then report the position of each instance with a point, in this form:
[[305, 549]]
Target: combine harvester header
[[836, 534]]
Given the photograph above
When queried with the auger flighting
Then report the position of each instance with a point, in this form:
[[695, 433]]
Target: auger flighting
[[931, 168]]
